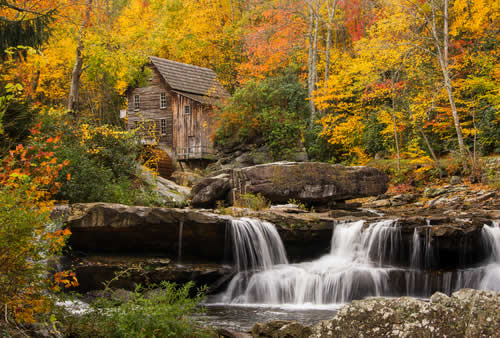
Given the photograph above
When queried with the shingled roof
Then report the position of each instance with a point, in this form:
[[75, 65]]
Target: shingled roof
[[189, 79]]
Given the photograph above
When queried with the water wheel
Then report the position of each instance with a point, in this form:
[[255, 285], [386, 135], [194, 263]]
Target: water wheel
[[161, 162]]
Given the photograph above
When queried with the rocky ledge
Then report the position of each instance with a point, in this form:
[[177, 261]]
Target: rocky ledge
[[119, 229], [309, 182], [467, 313], [125, 272]]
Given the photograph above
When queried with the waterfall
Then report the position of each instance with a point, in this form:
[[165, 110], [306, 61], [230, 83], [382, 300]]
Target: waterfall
[[256, 244], [179, 252], [338, 277], [356, 267], [491, 237], [381, 241], [416, 248]]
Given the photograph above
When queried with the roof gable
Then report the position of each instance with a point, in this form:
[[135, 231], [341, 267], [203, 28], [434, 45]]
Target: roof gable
[[188, 78]]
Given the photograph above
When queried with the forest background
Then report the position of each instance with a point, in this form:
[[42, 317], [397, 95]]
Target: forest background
[[349, 80]]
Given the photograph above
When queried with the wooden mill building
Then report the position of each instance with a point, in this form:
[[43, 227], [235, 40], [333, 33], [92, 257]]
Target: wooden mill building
[[175, 108]]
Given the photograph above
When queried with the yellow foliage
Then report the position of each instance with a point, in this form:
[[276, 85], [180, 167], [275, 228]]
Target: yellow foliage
[[474, 17], [346, 131]]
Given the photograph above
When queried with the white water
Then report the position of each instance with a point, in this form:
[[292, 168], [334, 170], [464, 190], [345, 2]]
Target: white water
[[491, 279], [256, 244], [179, 252], [353, 269]]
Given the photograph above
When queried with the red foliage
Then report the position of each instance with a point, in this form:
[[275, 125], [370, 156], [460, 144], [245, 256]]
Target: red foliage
[[359, 15]]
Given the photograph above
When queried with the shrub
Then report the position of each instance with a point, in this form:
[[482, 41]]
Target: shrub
[[102, 162], [162, 312], [251, 201]]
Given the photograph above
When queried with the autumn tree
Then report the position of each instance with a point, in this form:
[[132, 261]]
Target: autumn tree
[[27, 241], [24, 23], [74, 89]]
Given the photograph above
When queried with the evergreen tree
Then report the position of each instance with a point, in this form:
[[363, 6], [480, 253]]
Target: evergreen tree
[[22, 26]]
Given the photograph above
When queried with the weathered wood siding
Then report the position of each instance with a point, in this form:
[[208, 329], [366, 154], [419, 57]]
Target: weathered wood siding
[[187, 134], [192, 131], [149, 109]]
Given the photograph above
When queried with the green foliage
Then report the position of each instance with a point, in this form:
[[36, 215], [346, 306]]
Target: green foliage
[[299, 204], [373, 140], [21, 257], [102, 163], [274, 110], [16, 116], [251, 201], [489, 127], [318, 148], [160, 312], [282, 132]]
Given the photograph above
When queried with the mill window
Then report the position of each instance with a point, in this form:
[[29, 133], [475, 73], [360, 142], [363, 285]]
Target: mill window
[[187, 109], [163, 125], [163, 100], [137, 102]]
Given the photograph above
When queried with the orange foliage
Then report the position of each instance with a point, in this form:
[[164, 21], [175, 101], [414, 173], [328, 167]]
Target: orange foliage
[[272, 40], [28, 174], [36, 165]]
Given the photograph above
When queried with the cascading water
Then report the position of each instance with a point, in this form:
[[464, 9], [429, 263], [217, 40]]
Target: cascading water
[[256, 244], [353, 269], [491, 279], [344, 274], [179, 249]]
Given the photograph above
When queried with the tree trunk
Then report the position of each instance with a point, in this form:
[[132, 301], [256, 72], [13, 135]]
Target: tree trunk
[[396, 139], [74, 89], [35, 82], [313, 71], [331, 15], [232, 11], [443, 62], [309, 59], [428, 144]]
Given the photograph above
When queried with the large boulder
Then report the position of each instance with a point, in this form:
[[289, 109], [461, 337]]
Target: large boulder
[[467, 313], [210, 190], [309, 182]]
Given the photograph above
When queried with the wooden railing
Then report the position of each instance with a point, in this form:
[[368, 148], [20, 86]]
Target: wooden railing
[[195, 152]]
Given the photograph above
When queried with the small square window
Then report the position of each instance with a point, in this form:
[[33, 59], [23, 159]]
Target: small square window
[[187, 109], [163, 125], [137, 102], [163, 100]]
